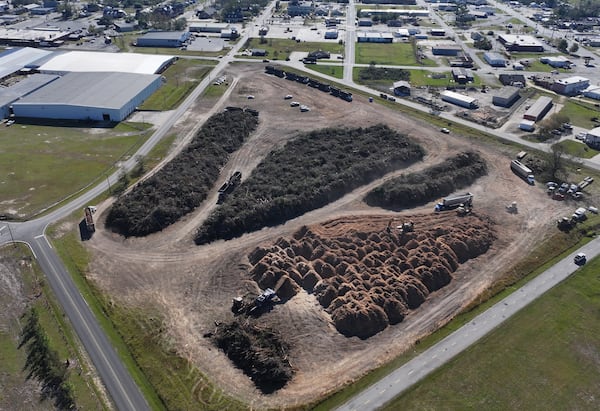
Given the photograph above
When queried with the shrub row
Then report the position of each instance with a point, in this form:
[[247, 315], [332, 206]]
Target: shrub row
[[307, 173], [180, 186], [430, 184]]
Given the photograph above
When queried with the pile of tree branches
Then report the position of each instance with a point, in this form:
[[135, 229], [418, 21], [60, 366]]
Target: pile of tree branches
[[259, 352], [430, 184], [181, 185], [43, 363], [308, 173]]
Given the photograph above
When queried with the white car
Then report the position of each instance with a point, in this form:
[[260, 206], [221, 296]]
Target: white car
[[294, 104], [250, 97], [445, 130], [581, 136], [288, 97], [304, 108]]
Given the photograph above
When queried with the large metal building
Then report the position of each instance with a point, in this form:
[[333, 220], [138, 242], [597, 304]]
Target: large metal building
[[89, 61], [539, 109], [163, 39], [89, 96]]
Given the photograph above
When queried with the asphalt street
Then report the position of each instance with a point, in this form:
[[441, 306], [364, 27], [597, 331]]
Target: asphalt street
[[419, 367]]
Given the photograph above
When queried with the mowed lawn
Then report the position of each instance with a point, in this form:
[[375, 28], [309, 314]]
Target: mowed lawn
[[41, 165], [546, 357], [398, 54]]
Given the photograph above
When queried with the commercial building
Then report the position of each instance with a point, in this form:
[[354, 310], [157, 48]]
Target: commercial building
[[517, 80], [593, 137], [89, 61], [365, 22], [462, 75], [331, 34], [374, 37], [88, 96], [449, 49], [27, 85], [399, 12], [44, 37], [203, 27], [539, 109], [401, 88], [459, 99], [13, 60], [520, 42], [506, 97], [527, 125], [494, 59], [163, 39], [592, 92], [300, 8], [556, 61], [570, 86]]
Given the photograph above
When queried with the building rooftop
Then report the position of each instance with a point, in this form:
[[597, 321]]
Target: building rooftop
[[90, 61], [520, 39], [106, 90], [24, 87], [12, 60], [572, 80], [167, 35]]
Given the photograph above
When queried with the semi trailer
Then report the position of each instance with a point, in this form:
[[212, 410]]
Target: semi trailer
[[522, 171], [460, 200]]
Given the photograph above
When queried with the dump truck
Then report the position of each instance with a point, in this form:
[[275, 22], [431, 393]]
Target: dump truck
[[228, 187], [522, 171], [512, 208], [89, 219], [448, 203]]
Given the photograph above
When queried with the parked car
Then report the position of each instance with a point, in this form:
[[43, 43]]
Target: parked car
[[445, 130]]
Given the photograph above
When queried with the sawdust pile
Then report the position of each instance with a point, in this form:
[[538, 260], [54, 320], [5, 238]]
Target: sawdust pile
[[366, 272]]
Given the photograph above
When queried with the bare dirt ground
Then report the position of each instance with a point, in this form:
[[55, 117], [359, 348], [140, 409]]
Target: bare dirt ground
[[193, 286]]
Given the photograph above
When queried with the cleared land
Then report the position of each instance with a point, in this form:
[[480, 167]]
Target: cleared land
[[191, 287], [545, 357]]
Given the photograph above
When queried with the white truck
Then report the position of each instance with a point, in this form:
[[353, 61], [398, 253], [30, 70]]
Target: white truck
[[522, 171], [448, 203]]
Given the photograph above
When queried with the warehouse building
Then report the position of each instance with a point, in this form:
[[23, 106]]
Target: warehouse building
[[556, 61], [203, 27], [27, 85], [494, 59], [570, 86], [88, 61], [89, 96], [450, 49], [592, 92], [506, 97], [592, 137], [163, 39], [539, 109], [13, 60], [33, 37], [520, 42], [459, 99], [374, 37], [462, 75]]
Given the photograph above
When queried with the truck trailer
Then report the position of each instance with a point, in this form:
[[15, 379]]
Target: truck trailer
[[448, 203], [89, 219], [522, 171]]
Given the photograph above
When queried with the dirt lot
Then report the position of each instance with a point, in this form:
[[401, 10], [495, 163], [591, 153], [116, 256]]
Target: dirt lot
[[193, 286]]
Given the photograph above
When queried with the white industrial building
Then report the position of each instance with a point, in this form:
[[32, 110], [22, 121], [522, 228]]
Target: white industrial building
[[458, 99], [89, 61], [593, 136], [13, 60], [538, 110], [14, 92], [89, 96], [494, 59], [571, 86]]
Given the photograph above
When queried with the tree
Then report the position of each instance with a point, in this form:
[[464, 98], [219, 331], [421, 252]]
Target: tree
[[462, 14], [574, 47], [562, 45], [555, 162], [483, 44], [66, 9]]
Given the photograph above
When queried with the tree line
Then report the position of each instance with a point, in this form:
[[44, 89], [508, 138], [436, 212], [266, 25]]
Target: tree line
[[44, 364], [307, 173], [416, 189], [181, 185]]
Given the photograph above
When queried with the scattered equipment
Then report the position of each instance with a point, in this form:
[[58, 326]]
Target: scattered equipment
[[512, 208]]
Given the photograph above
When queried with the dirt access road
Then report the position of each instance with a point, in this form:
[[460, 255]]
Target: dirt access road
[[193, 286]]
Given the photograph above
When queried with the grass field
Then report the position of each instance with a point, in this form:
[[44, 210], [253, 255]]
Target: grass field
[[580, 114], [334, 71], [280, 49], [544, 357], [577, 149], [400, 54], [61, 338], [182, 77], [41, 165]]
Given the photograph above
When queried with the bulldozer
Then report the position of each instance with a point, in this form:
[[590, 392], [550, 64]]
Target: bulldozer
[[512, 208]]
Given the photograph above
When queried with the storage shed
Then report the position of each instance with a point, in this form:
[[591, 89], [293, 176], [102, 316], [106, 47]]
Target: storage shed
[[539, 109], [89, 96], [506, 97], [494, 59]]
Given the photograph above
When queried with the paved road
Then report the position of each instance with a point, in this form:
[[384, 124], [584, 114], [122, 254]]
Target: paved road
[[350, 41], [419, 367]]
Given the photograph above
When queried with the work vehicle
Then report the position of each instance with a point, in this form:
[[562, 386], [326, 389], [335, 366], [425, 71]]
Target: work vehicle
[[445, 130], [461, 200], [580, 259], [288, 97], [304, 108], [294, 104], [512, 208], [522, 171], [228, 186], [89, 219]]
